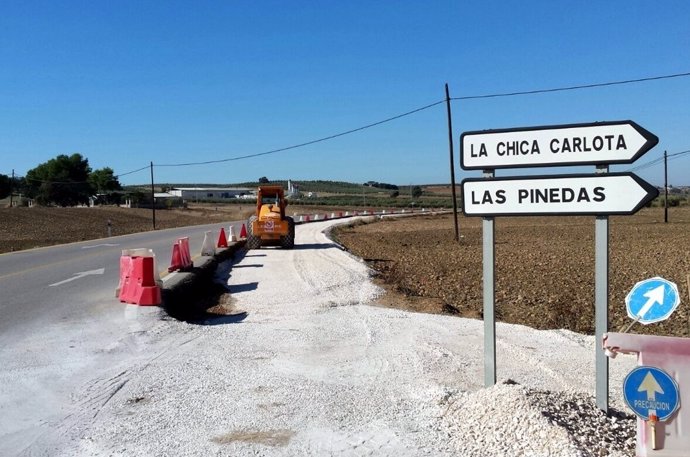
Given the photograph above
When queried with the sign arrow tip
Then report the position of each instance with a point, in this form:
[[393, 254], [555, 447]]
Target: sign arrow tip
[[651, 385]]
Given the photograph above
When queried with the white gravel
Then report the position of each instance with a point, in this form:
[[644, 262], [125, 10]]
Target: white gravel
[[313, 369]]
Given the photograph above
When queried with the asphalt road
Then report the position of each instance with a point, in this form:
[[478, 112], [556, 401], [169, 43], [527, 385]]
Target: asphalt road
[[53, 301], [62, 281]]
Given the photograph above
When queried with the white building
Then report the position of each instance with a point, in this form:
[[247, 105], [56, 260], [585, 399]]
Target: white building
[[211, 193]]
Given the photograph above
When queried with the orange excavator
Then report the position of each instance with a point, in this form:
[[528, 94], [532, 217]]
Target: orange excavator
[[270, 225]]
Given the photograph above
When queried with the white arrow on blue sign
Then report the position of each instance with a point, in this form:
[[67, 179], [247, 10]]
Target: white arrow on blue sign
[[652, 300], [650, 391]]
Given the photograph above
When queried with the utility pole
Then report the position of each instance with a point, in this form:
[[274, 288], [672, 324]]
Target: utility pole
[[12, 188], [153, 200], [665, 188], [452, 166]]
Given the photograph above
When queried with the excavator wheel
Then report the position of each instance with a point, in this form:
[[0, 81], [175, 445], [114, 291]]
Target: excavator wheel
[[288, 241], [253, 242]]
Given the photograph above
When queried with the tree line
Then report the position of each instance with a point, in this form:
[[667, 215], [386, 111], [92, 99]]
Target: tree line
[[63, 181]]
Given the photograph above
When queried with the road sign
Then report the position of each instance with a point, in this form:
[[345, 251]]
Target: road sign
[[613, 193], [556, 145], [652, 300], [650, 391]]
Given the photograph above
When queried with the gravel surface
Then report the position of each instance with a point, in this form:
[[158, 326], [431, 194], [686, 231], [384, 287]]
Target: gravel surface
[[312, 369]]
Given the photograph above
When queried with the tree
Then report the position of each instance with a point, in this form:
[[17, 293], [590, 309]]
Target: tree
[[5, 185], [394, 194], [104, 180], [263, 180], [416, 192], [63, 181]]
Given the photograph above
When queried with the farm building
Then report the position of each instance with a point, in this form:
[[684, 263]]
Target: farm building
[[210, 193]]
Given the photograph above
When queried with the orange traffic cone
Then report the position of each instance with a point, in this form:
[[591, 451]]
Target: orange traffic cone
[[243, 231], [222, 240]]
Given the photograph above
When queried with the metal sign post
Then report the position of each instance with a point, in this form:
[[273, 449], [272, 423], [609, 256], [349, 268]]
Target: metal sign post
[[601, 303], [489, 286]]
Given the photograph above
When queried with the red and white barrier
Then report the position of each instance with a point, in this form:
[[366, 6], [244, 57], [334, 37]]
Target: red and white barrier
[[181, 257], [139, 279], [138, 284]]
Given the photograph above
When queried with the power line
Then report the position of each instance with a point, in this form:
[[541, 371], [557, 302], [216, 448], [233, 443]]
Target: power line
[[133, 171], [417, 110], [568, 88], [431, 105], [675, 155], [308, 143]]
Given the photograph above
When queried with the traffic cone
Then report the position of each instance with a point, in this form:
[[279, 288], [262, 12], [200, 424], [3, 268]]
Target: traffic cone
[[222, 240], [233, 237], [243, 232], [176, 260], [207, 247], [185, 254]]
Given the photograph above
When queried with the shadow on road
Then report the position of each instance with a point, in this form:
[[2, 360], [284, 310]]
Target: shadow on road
[[237, 288], [214, 319], [310, 246]]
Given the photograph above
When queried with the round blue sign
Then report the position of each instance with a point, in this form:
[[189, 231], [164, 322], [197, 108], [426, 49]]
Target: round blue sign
[[651, 391], [652, 300]]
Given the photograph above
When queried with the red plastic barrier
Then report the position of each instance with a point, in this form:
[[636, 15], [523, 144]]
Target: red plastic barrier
[[125, 272], [176, 260], [139, 286], [184, 252], [222, 240], [181, 257]]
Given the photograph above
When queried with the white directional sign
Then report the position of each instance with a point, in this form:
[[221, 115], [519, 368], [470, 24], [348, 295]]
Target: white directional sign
[[573, 144], [614, 193]]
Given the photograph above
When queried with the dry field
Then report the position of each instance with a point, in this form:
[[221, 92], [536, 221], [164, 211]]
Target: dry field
[[544, 266], [25, 228]]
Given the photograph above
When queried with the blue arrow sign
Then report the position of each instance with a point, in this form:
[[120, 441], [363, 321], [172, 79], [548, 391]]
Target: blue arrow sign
[[651, 391], [652, 300]]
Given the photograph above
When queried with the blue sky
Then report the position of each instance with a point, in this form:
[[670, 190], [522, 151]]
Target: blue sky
[[126, 83]]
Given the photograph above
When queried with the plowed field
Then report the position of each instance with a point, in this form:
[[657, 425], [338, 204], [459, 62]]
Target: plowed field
[[544, 266]]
